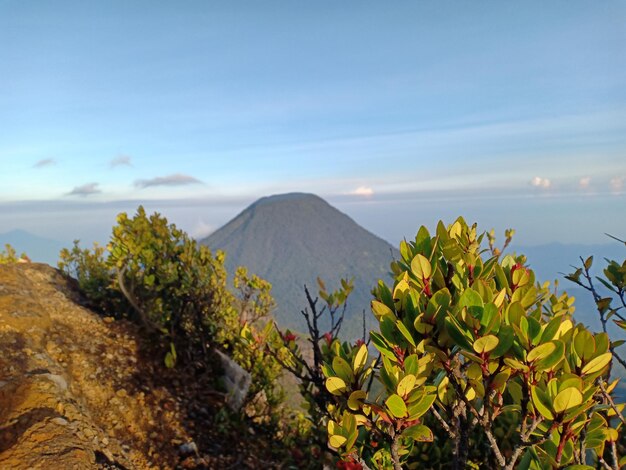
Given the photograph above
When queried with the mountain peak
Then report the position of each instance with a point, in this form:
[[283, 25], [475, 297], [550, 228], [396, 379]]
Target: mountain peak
[[288, 197], [291, 239]]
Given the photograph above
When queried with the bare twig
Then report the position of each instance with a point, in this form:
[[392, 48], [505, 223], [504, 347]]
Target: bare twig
[[395, 456], [604, 464], [609, 399], [494, 446], [443, 423], [614, 455]]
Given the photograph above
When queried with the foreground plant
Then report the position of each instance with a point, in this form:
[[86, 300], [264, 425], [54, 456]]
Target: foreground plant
[[10, 256], [156, 275], [469, 340]]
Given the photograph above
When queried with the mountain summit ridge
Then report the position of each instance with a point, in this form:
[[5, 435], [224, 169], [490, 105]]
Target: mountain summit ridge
[[291, 239]]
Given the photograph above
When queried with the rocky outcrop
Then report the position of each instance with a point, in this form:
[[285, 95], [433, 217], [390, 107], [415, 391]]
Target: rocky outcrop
[[72, 394]]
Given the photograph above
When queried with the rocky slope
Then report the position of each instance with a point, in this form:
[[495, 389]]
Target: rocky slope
[[77, 390]]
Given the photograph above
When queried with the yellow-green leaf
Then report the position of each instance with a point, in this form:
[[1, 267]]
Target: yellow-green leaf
[[541, 351], [381, 310], [336, 440], [566, 399], [611, 434], [421, 406], [486, 344], [397, 407], [418, 433], [540, 402], [356, 399], [342, 369], [333, 427], [360, 358], [597, 364], [406, 385], [421, 267], [336, 385], [552, 359], [500, 380]]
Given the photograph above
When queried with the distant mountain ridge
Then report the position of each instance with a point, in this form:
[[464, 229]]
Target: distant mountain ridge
[[291, 239], [551, 259]]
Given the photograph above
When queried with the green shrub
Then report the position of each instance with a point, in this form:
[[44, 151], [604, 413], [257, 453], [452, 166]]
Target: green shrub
[[95, 278], [470, 340], [9, 255]]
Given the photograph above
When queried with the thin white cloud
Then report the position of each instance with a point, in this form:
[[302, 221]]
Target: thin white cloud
[[177, 179], [617, 184], [122, 160], [584, 182], [85, 190], [362, 191], [45, 162], [202, 230], [540, 182]]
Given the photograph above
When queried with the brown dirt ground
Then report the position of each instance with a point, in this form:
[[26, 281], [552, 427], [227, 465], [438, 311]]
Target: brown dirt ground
[[81, 391]]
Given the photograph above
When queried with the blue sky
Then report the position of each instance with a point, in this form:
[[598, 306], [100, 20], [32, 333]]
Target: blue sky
[[511, 114]]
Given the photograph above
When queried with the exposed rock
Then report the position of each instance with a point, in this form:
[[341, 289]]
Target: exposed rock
[[56, 407], [236, 380]]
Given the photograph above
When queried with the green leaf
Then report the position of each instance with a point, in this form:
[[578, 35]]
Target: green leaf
[[405, 332], [381, 345], [170, 362], [397, 407], [541, 402], [486, 344], [438, 304], [456, 335], [500, 380], [418, 433], [405, 251], [553, 358], [489, 313], [411, 364], [584, 345], [566, 399], [421, 406], [551, 329], [470, 298], [388, 330], [336, 385], [421, 267], [506, 336], [342, 369], [597, 364]]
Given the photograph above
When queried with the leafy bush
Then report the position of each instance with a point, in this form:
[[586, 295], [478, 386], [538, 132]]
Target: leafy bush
[[154, 274], [94, 277], [613, 304], [9, 255], [472, 342]]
